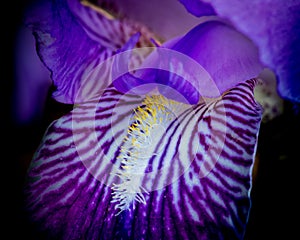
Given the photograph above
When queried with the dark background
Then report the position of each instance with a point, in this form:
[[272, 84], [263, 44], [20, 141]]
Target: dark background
[[275, 192]]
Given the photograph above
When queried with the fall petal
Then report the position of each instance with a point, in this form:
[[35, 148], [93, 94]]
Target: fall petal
[[195, 172]]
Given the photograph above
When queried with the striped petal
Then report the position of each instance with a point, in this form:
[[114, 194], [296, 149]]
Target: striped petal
[[72, 39], [146, 167]]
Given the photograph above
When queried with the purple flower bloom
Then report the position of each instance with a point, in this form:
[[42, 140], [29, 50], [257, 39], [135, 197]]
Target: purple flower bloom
[[161, 140]]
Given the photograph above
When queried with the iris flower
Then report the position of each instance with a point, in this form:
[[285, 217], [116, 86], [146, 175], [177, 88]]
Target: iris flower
[[161, 141]]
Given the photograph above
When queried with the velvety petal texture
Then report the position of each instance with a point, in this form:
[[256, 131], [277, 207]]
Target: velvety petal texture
[[274, 26], [192, 179], [72, 39]]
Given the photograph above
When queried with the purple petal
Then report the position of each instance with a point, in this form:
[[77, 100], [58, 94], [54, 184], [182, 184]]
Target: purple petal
[[105, 29], [274, 27], [198, 64], [72, 39], [198, 8], [159, 70], [164, 69], [229, 62], [198, 181], [123, 80]]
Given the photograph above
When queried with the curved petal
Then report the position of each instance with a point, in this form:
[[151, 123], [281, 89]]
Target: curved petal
[[70, 47], [198, 64], [274, 27], [195, 171], [229, 62]]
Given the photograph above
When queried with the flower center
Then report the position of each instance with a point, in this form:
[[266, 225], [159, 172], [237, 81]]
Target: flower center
[[144, 139]]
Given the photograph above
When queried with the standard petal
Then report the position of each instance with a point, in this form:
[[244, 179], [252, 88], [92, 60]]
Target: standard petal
[[72, 39], [196, 178], [199, 64], [274, 26], [227, 56]]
